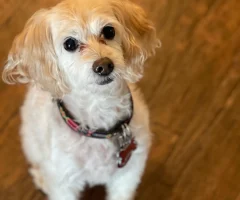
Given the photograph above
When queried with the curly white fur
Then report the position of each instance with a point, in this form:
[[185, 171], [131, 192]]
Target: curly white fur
[[63, 161]]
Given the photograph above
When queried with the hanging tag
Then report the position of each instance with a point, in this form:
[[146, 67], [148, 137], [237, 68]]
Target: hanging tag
[[126, 145], [125, 154]]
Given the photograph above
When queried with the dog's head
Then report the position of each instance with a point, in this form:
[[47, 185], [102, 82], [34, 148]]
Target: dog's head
[[82, 43]]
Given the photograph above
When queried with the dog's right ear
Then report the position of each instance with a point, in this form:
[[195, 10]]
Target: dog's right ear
[[32, 57], [16, 69]]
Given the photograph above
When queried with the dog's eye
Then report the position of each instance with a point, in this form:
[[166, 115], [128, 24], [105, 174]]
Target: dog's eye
[[71, 44], [108, 32]]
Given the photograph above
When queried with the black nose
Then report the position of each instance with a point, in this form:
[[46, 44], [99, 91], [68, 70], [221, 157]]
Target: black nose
[[103, 66]]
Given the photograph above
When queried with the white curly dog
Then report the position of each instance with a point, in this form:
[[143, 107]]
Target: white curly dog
[[83, 119]]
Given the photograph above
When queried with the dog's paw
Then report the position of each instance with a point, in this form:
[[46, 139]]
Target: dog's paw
[[38, 179]]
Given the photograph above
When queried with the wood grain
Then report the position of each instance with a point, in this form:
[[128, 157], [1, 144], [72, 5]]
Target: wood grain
[[192, 87]]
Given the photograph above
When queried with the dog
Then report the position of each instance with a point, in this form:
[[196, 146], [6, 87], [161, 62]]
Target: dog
[[83, 119]]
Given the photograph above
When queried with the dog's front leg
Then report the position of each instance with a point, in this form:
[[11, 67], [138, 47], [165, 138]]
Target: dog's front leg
[[124, 183], [63, 189], [58, 196], [55, 190], [63, 193]]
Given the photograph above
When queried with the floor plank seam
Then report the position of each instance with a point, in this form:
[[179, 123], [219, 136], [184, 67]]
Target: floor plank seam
[[220, 111], [13, 15], [4, 126]]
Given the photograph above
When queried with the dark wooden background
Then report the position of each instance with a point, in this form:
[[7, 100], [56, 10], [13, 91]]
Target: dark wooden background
[[192, 88]]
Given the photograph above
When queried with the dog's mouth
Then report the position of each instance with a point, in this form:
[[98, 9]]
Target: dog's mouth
[[105, 81]]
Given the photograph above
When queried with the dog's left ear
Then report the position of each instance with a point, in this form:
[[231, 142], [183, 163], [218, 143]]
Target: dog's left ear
[[139, 40]]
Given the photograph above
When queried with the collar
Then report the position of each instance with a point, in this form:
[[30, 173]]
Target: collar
[[100, 133], [120, 133]]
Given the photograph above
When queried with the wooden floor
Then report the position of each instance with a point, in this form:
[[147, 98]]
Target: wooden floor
[[192, 87]]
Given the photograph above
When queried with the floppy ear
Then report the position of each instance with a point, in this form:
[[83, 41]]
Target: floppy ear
[[139, 40], [32, 57]]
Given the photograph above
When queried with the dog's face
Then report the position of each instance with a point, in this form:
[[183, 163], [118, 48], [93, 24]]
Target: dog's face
[[82, 43]]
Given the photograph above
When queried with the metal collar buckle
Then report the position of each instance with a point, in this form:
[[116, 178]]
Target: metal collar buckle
[[124, 137]]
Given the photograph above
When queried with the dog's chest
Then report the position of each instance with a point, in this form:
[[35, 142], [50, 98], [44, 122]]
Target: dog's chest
[[94, 159], [96, 153]]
